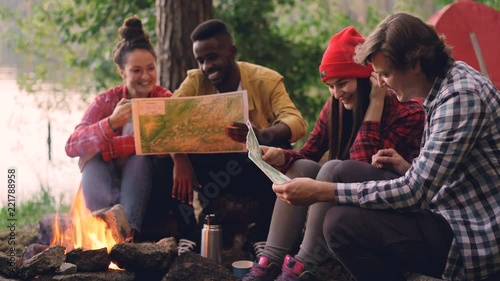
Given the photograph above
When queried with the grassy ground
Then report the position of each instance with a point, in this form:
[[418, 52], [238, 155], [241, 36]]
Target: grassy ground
[[30, 211], [27, 214]]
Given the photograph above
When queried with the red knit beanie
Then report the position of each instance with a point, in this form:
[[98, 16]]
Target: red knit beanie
[[338, 58]]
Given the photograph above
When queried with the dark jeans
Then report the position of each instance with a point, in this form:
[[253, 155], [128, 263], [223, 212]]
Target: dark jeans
[[235, 174], [161, 203], [382, 244]]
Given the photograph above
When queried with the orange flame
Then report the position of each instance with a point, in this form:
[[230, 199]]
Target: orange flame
[[86, 231]]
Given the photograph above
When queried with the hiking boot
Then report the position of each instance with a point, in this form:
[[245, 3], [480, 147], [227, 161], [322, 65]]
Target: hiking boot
[[185, 245], [262, 270], [293, 270]]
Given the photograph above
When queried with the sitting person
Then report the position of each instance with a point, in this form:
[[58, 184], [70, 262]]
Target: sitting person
[[441, 216], [358, 120], [273, 115], [111, 171]]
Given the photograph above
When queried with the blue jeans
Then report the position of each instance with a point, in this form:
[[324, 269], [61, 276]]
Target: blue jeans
[[104, 184]]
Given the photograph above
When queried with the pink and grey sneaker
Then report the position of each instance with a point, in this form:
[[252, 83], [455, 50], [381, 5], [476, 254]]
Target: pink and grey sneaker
[[293, 270], [262, 270]]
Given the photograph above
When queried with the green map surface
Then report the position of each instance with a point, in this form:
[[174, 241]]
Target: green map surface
[[189, 125]]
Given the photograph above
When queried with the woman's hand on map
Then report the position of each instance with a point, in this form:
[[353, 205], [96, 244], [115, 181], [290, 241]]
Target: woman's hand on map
[[272, 155], [184, 179]]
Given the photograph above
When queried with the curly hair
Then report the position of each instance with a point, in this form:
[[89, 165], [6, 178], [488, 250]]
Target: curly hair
[[209, 29]]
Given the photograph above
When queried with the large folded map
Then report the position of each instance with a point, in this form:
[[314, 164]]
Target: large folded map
[[188, 124]]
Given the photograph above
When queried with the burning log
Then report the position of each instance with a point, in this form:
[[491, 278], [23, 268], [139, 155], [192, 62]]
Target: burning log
[[47, 223], [116, 221], [114, 218], [88, 231], [143, 257]]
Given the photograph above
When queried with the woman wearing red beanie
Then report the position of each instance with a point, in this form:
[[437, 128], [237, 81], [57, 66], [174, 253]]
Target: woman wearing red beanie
[[358, 120]]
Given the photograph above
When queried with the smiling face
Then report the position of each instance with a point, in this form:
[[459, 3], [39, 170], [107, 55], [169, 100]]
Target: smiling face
[[215, 59], [345, 90], [407, 84], [139, 73]]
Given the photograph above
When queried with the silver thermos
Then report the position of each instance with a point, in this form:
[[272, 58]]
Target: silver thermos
[[211, 239]]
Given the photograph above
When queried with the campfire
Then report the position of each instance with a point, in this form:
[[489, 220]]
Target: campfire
[[88, 232], [92, 246]]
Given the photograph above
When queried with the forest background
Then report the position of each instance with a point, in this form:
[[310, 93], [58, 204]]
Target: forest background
[[65, 46], [68, 43]]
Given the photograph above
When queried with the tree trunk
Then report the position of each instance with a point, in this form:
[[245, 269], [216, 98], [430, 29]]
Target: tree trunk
[[175, 20]]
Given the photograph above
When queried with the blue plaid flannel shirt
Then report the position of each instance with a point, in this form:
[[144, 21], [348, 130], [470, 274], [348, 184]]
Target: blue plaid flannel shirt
[[456, 175]]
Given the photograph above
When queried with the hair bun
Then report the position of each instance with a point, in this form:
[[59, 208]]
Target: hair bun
[[131, 28]]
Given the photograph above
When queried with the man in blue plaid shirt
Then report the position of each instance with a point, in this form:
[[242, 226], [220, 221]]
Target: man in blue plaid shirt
[[442, 218]]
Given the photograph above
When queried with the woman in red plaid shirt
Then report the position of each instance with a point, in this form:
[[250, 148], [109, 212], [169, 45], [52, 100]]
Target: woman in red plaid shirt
[[111, 171], [358, 120]]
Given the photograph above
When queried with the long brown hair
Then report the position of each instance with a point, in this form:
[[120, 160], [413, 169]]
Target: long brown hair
[[338, 129]]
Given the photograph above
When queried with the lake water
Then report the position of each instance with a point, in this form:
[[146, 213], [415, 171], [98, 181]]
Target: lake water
[[23, 143]]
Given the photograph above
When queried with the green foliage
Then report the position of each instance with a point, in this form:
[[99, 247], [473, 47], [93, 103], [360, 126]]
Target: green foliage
[[495, 4], [281, 36], [69, 43], [30, 211]]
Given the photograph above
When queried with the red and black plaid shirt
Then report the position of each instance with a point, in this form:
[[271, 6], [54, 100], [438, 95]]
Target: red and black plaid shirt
[[400, 128], [94, 135]]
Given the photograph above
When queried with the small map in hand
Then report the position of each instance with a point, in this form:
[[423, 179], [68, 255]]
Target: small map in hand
[[255, 155]]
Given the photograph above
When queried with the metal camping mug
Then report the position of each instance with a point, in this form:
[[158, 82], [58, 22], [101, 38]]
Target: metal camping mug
[[211, 239]]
